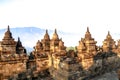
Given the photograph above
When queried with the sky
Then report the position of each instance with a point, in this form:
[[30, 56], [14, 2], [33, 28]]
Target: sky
[[72, 16]]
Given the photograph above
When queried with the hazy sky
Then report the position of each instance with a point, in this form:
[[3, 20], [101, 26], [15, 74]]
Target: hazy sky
[[66, 15]]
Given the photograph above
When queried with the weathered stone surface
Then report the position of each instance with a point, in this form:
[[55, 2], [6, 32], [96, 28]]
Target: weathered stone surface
[[50, 61], [107, 76]]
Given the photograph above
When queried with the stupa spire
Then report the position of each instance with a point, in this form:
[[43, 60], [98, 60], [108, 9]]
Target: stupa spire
[[88, 34], [87, 29], [19, 44], [55, 35], [8, 34], [46, 36], [8, 29], [108, 35]]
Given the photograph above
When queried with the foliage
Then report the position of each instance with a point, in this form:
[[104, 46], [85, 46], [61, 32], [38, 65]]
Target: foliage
[[71, 48]]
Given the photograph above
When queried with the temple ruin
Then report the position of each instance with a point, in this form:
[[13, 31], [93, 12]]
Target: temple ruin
[[51, 61]]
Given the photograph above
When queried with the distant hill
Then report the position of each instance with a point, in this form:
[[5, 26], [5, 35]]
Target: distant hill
[[30, 35]]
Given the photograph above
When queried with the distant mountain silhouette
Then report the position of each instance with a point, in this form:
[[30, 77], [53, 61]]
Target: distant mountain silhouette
[[30, 35]]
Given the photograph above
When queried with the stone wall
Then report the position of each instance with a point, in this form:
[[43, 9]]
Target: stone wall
[[11, 68], [101, 66], [86, 69], [107, 76], [42, 64]]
